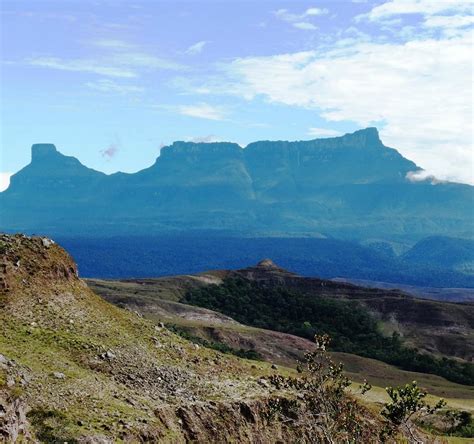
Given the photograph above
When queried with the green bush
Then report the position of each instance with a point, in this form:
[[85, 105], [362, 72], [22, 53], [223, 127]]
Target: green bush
[[219, 346], [352, 328]]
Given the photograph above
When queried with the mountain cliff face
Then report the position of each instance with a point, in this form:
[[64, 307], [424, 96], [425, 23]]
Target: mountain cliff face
[[350, 186]]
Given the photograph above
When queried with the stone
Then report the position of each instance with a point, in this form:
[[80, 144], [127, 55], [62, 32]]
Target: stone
[[47, 242], [110, 355], [59, 375]]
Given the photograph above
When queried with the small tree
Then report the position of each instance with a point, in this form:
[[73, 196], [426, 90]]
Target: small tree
[[321, 392], [406, 405]]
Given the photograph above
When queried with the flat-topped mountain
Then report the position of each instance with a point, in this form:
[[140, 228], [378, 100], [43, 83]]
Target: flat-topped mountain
[[350, 186]]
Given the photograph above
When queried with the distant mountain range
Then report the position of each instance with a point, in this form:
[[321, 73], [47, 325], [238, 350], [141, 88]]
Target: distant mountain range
[[349, 187], [121, 257]]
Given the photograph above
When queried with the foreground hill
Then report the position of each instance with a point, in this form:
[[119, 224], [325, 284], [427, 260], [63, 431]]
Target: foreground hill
[[74, 368], [349, 187], [383, 324]]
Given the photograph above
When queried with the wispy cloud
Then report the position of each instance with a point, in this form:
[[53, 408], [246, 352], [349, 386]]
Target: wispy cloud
[[204, 139], [300, 21], [119, 59], [203, 111], [110, 86], [196, 48], [83, 65], [449, 22], [447, 17], [423, 176], [394, 8], [305, 26], [42, 15], [323, 132], [117, 45]]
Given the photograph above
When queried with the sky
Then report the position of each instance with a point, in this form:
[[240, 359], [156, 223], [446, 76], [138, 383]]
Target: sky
[[112, 82]]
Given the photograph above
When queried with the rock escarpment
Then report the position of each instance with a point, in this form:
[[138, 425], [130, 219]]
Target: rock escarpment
[[352, 186]]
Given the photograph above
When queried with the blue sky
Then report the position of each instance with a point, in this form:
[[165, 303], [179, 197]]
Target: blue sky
[[111, 82]]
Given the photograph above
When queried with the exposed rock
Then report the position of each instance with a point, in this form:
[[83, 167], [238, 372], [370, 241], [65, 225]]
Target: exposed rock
[[14, 426], [109, 355], [47, 242]]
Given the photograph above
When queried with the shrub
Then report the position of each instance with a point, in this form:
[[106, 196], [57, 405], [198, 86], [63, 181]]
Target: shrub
[[321, 393], [406, 406], [352, 328]]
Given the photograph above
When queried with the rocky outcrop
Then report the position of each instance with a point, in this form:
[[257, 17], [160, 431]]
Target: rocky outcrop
[[14, 425], [246, 422], [13, 422]]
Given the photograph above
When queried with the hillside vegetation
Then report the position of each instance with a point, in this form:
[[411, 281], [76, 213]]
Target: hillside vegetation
[[354, 330], [74, 368]]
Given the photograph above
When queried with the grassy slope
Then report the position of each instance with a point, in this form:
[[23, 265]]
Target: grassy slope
[[440, 328], [51, 322], [274, 347]]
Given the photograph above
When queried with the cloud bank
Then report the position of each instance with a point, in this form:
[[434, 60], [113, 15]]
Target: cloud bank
[[415, 87]]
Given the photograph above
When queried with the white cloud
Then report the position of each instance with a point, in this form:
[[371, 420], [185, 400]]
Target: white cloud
[[315, 11], [323, 132], [305, 26], [109, 86], [83, 65], [4, 180], [204, 139], [445, 16], [118, 45], [300, 21], [422, 176], [120, 59], [144, 61], [202, 111], [196, 48], [451, 21], [418, 93], [425, 8]]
